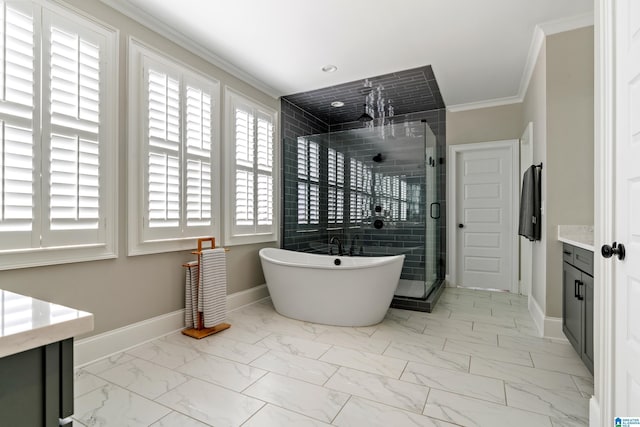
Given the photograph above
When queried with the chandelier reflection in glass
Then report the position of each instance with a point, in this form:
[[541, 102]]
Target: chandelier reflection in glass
[[377, 109]]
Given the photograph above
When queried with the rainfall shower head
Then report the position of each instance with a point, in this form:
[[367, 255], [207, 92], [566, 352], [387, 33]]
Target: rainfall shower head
[[365, 117]]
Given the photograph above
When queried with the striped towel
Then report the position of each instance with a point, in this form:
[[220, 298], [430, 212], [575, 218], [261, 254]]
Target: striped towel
[[212, 293], [191, 295]]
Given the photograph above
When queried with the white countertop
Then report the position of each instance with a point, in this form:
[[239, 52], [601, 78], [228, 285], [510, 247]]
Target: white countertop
[[27, 323], [577, 235]]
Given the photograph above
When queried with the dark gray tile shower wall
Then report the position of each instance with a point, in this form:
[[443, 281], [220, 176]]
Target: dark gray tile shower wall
[[416, 97]]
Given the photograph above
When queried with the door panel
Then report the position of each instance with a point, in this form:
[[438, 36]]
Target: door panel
[[485, 209], [627, 208]]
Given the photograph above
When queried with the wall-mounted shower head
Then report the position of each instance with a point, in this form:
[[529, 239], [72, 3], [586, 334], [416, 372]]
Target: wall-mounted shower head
[[378, 158]]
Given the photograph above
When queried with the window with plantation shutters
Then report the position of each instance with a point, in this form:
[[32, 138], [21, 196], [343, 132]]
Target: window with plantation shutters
[[174, 165], [57, 111], [335, 180], [308, 182], [251, 173], [360, 177]]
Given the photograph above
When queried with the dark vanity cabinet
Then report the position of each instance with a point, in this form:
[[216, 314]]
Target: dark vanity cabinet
[[36, 386], [577, 301]]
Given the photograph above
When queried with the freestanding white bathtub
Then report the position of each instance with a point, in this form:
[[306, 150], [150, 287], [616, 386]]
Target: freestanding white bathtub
[[311, 287]]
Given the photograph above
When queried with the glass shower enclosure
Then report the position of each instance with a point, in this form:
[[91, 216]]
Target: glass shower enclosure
[[379, 191]]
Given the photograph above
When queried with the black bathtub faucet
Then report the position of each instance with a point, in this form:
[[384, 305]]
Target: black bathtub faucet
[[335, 240]]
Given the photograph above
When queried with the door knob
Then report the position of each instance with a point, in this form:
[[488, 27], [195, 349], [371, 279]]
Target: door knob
[[616, 249], [460, 225]]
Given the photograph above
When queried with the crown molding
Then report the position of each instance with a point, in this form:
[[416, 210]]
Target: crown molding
[[154, 24], [496, 102], [540, 32]]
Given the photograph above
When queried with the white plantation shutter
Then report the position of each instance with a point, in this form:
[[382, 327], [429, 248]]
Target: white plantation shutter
[[178, 151], [335, 194], [361, 179], [57, 103], [251, 174], [164, 146], [72, 183], [264, 160], [17, 69], [308, 178], [198, 180]]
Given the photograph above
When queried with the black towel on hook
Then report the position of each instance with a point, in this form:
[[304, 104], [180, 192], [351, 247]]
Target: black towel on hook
[[530, 219]]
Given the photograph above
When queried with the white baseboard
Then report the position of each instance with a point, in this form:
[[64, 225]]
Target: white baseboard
[[249, 296], [90, 349], [548, 327], [99, 346], [594, 412]]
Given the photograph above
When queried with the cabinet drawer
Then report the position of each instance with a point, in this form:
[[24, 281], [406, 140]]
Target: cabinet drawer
[[567, 253], [583, 259]]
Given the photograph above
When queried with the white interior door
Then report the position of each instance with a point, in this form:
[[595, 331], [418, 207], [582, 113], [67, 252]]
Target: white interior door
[[486, 248], [627, 210], [526, 246]]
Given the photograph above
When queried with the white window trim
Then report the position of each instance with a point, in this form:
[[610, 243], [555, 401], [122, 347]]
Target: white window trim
[[136, 179], [35, 257], [230, 239]]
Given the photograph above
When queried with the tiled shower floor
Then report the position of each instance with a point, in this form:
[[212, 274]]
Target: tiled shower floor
[[474, 361]]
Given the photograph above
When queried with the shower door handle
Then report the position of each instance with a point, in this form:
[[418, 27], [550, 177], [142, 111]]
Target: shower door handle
[[431, 210]]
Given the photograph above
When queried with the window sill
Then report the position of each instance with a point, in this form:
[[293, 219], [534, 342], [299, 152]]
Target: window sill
[[55, 256]]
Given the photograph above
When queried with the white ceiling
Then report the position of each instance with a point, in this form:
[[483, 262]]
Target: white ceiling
[[478, 49]]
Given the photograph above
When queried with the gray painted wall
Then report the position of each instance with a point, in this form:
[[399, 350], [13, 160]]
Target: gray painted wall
[[535, 111], [484, 124], [559, 102], [130, 289], [569, 166]]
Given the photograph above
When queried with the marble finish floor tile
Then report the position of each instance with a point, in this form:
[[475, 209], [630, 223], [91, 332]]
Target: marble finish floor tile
[[492, 320], [176, 419], [294, 345], [568, 365], [111, 405], [301, 368], [463, 383], [210, 403], [518, 357], [274, 416], [311, 400], [222, 372], [360, 412], [389, 391], [373, 363], [145, 378], [468, 336], [584, 384], [522, 374], [445, 368], [346, 338], [422, 354], [248, 334], [231, 349], [165, 353], [557, 404], [396, 335], [84, 382], [505, 330], [107, 363], [467, 411], [536, 345]]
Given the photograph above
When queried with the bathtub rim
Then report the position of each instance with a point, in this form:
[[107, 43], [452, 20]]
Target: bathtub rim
[[375, 261]]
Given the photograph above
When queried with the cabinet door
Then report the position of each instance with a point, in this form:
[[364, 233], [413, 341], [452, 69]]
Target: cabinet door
[[587, 292], [571, 306]]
